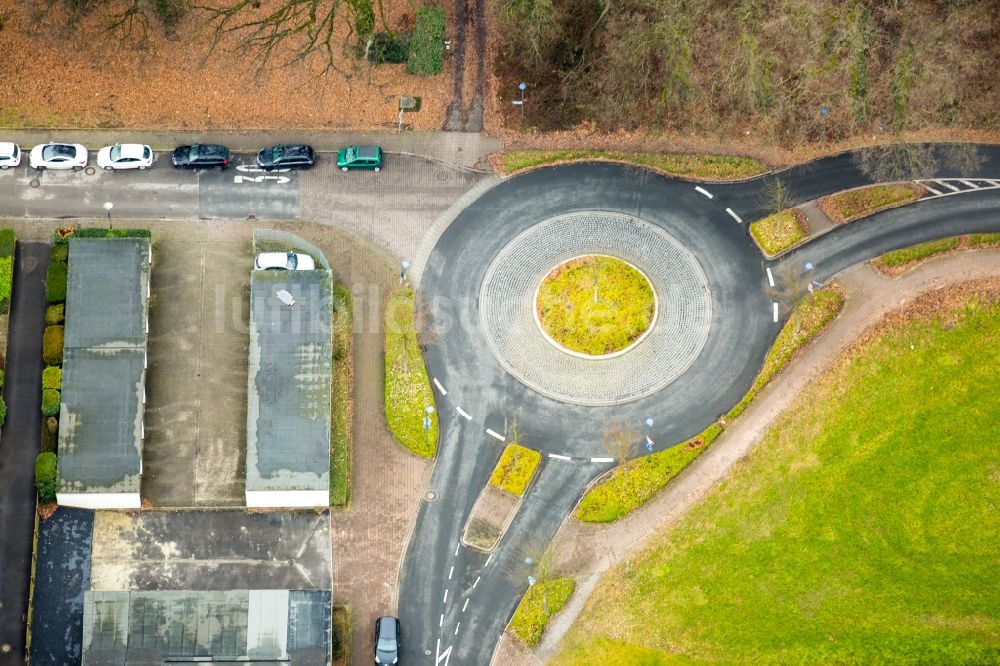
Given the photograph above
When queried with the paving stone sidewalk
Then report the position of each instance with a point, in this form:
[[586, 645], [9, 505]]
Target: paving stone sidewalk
[[588, 550]]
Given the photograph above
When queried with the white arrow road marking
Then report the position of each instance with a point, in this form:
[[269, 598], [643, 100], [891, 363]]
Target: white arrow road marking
[[734, 215], [442, 656], [440, 388], [702, 190], [280, 180], [249, 168], [467, 415], [495, 435]]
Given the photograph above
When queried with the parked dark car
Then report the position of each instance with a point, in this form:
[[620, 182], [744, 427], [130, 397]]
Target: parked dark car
[[201, 156], [387, 640], [360, 157], [295, 156]]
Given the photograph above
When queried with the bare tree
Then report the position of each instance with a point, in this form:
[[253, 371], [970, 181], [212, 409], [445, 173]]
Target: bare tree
[[775, 197], [900, 160]]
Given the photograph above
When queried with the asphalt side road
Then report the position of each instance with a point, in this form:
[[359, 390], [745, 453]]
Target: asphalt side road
[[19, 444]]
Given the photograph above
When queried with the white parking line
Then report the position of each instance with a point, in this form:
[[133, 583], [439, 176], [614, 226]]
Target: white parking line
[[456, 628], [770, 278], [495, 435], [465, 605], [775, 312], [440, 388], [559, 457], [702, 190], [734, 215], [602, 460], [451, 571], [467, 415]]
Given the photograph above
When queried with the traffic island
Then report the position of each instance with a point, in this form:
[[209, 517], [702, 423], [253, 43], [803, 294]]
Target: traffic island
[[501, 498]]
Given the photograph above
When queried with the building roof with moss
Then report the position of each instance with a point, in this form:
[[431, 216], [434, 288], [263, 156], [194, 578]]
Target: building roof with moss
[[104, 365], [290, 366]]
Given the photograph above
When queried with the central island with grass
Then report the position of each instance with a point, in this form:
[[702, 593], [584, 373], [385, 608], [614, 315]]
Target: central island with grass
[[595, 305]]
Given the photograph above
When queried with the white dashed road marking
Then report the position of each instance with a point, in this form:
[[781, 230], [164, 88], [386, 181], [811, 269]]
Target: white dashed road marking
[[445, 597], [559, 457], [456, 628], [734, 215], [775, 312], [441, 621], [476, 583], [495, 435], [702, 190], [440, 388], [465, 605], [457, 546], [770, 277], [602, 460], [451, 571], [467, 415]]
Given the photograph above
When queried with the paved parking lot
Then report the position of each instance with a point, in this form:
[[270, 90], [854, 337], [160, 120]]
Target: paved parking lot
[[195, 448], [211, 550]]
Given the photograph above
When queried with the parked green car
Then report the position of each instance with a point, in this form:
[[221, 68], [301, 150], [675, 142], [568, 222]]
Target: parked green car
[[360, 157]]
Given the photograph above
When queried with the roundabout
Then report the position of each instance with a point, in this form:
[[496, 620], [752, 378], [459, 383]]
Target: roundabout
[[664, 350]]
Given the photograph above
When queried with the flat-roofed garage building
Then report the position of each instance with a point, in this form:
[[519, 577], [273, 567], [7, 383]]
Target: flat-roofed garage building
[[104, 373], [247, 627], [288, 397]]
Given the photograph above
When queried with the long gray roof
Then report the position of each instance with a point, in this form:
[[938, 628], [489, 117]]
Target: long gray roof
[[262, 626], [288, 400], [104, 361]]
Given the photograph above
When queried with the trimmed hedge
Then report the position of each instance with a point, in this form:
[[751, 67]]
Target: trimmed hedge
[[388, 47], [8, 242], [52, 377], [98, 232], [56, 279], [52, 344], [55, 314], [50, 401], [46, 471], [427, 42], [60, 251], [3, 378]]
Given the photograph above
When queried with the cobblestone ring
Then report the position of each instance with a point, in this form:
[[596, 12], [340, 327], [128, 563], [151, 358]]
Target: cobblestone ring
[[506, 306]]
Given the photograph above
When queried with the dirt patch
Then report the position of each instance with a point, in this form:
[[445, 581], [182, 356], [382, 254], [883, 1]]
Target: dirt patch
[[489, 519], [60, 77]]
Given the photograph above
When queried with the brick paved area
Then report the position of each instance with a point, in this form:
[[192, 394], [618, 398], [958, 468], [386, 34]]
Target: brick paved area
[[591, 549]]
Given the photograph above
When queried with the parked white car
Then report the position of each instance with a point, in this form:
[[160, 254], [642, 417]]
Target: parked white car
[[58, 156], [10, 155], [284, 261], [125, 156]]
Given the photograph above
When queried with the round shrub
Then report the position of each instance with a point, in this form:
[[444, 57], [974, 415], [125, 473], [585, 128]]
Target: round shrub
[[46, 470], [52, 425], [52, 344], [55, 282], [52, 377], [387, 47], [54, 314], [50, 401]]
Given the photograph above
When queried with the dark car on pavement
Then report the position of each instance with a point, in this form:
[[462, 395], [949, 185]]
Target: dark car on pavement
[[295, 156], [387, 640], [360, 157], [201, 156]]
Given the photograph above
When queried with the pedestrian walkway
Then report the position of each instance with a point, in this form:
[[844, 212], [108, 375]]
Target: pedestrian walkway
[[465, 149], [587, 550], [817, 221]]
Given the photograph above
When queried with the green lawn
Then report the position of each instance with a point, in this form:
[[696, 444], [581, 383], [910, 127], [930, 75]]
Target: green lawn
[[341, 434], [595, 305], [862, 529], [408, 390], [515, 469], [776, 233], [530, 618], [711, 167], [902, 258]]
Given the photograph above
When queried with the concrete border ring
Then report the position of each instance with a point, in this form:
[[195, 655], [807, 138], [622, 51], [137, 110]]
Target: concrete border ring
[[684, 311]]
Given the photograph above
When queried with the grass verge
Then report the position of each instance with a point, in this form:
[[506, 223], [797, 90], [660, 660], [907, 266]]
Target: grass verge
[[635, 482], [595, 305], [710, 167], [898, 261], [515, 469], [340, 635], [858, 531], [407, 388], [848, 206], [342, 423], [530, 618], [776, 233]]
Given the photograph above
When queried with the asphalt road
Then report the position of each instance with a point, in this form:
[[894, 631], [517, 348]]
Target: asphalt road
[[455, 602], [20, 442]]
